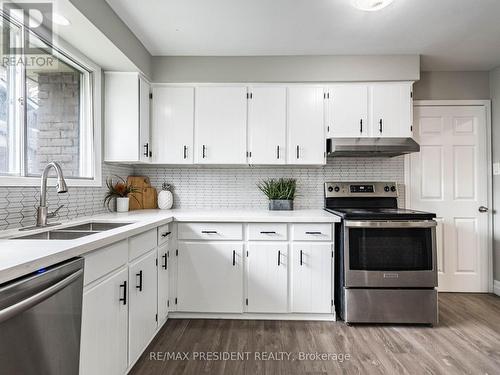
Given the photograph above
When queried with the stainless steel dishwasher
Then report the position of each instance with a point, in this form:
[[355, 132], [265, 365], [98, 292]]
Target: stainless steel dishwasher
[[40, 321]]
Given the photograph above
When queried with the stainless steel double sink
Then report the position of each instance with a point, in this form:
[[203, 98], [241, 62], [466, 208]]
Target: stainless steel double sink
[[73, 232]]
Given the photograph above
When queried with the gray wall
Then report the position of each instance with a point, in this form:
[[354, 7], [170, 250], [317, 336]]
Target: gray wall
[[105, 19], [285, 68], [452, 86], [495, 109]]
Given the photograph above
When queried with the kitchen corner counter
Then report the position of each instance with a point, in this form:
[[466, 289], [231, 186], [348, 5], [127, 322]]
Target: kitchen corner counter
[[19, 257]]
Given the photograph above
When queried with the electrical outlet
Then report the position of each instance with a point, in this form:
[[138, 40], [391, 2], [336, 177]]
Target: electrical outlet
[[496, 169]]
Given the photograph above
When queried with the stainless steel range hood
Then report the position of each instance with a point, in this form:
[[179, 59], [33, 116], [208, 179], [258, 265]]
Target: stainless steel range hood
[[371, 147]]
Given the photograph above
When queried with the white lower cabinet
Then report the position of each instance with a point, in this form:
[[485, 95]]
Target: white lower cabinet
[[210, 277], [143, 305], [267, 278], [164, 266], [311, 289], [104, 326]]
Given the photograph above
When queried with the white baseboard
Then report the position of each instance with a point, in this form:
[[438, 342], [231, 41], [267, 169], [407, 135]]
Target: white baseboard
[[496, 287], [252, 316]]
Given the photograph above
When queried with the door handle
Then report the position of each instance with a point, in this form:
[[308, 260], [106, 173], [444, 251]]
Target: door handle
[[146, 149], [204, 151], [124, 298], [164, 265], [268, 232], [166, 234], [209, 231], [380, 125], [361, 126], [277, 152], [140, 281], [185, 152], [483, 209], [298, 152], [234, 257], [301, 258], [279, 257]]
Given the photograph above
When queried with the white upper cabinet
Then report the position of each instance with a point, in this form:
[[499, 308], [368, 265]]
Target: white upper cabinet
[[220, 125], [267, 125], [173, 125], [306, 128], [391, 109], [346, 110], [126, 120]]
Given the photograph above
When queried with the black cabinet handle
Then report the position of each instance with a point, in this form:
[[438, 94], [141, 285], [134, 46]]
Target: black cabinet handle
[[185, 152], [279, 257], [140, 281], [209, 231], [277, 152], [204, 151], [269, 232], [313, 233], [166, 234], [361, 126], [234, 257], [298, 152], [164, 265], [124, 298], [146, 150], [301, 257], [380, 125]]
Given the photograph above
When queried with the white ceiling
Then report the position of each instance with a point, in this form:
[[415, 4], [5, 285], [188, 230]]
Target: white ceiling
[[449, 34]]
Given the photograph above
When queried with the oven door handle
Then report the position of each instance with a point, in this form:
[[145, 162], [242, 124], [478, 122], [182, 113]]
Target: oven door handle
[[390, 224]]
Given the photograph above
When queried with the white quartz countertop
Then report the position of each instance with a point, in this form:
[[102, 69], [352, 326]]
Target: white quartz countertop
[[20, 256]]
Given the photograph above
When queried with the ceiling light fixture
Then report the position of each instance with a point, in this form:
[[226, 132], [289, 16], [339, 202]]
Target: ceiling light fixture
[[370, 5]]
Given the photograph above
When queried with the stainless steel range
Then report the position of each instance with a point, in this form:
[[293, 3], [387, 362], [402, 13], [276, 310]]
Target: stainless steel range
[[386, 256]]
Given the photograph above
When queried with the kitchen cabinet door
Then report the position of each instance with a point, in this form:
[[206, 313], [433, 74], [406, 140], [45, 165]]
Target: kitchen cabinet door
[[210, 277], [311, 278], [346, 110], [144, 119], [173, 125], [221, 125], [164, 266], [306, 129], [267, 278], [267, 125], [143, 303], [103, 348], [391, 109]]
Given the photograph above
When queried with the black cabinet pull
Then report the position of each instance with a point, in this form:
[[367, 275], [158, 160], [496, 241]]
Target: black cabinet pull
[[166, 234], [209, 231], [204, 151], [361, 126], [380, 125], [277, 152], [301, 257], [124, 298], [140, 281], [313, 232], [164, 265], [234, 257], [298, 152], [279, 257], [146, 150], [185, 152], [268, 232]]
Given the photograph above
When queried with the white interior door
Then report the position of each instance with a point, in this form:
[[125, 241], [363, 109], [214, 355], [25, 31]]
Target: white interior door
[[449, 177]]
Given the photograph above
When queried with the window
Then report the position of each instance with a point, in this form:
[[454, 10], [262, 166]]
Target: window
[[46, 112]]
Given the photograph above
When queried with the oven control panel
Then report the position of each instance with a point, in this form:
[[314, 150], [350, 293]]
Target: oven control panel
[[361, 189]]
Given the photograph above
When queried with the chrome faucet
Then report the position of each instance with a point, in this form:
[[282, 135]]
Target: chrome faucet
[[42, 211]]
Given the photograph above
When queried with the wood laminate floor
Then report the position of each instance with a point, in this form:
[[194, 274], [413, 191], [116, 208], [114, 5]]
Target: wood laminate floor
[[466, 341]]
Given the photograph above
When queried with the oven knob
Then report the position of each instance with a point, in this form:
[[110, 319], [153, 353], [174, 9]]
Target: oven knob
[[330, 189], [393, 188], [386, 188], [337, 189]]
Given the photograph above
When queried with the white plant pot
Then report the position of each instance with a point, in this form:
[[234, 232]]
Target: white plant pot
[[122, 204]]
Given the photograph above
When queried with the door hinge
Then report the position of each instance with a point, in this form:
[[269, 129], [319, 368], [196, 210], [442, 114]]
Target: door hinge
[[150, 95], [156, 317], [249, 95], [332, 302], [177, 252], [411, 94], [246, 301], [168, 303], [332, 253], [176, 300], [247, 253], [328, 129], [411, 128], [156, 262]]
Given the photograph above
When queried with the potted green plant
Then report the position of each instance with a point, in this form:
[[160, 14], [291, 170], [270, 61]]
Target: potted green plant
[[280, 192], [120, 191]]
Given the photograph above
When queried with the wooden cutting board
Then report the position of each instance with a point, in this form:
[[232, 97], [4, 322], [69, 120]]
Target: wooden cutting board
[[149, 198], [146, 197]]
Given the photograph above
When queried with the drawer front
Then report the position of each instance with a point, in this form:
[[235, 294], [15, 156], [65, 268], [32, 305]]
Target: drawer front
[[102, 261], [164, 234], [312, 232], [210, 231], [142, 243], [267, 232]]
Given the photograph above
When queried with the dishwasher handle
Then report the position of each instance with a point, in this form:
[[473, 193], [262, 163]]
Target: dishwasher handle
[[35, 299]]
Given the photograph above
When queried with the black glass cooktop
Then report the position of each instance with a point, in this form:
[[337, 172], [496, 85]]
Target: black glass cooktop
[[381, 214]]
